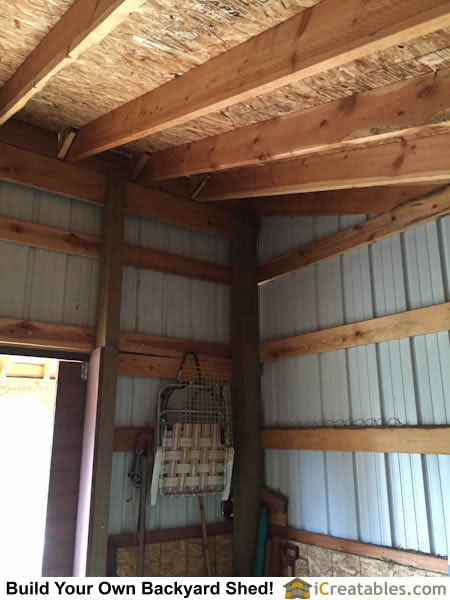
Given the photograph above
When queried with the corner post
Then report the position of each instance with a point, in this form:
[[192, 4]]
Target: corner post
[[246, 392]]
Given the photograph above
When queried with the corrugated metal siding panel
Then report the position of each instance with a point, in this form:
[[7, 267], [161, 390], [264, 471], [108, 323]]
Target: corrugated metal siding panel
[[39, 284], [58, 288], [168, 305], [399, 500]]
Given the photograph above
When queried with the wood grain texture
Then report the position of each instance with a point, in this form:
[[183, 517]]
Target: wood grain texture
[[60, 240], [248, 475], [408, 215], [420, 321], [353, 201], [52, 175], [108, 341], [138, 365], [323, 37], [82, 339], [172, 534], [83, 25], [420, 161], [143, 343], [36, 334], [403, 557], [409, 440], [410, 108]]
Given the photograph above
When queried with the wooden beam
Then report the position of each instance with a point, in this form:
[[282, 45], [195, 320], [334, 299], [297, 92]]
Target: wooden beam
[[138, 163], [425, 160], [65, 140], [125, 437], [315, 40], [157, 260], [140, 365], [83, 25], [97, 465], [418, 106], [52, 175], [355, 201], [34, 334], [415, 440], [402, 557], [60, 240], [143, 343], [246, 394], [419, 321], [173, 534], [408, 215]]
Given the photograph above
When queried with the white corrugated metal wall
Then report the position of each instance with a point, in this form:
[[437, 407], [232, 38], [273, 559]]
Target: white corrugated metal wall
[[53, 287], [396, 500], [173, 306]]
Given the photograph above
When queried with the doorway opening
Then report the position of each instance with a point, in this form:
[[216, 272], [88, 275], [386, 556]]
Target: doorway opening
[[27, 413]]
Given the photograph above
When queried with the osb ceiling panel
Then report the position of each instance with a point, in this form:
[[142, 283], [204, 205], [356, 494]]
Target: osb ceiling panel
[[161, 40], [23, 24], [424, 55], [166, 38]]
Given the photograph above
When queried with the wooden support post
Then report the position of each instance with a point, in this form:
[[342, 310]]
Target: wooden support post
[[93, 514], [247, 411]]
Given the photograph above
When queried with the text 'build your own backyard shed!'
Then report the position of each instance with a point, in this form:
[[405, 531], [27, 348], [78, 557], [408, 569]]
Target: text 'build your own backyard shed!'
[[263, 184]]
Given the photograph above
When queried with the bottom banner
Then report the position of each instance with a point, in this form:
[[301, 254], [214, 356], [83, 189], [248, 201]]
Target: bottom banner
[[187, 588]]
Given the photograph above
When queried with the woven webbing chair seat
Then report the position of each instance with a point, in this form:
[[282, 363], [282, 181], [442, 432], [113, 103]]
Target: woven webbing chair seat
[[193, 460]]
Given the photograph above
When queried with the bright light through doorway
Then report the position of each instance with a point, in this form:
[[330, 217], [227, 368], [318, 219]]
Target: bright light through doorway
[[27, 410]]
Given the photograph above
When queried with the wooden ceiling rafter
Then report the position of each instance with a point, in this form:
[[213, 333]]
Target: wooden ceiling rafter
[[319, 38], [419, 161], [352, 201], [84, 24], [409, 108]]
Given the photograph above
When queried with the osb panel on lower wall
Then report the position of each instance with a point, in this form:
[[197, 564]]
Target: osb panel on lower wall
[[314, 561], [183, 558]]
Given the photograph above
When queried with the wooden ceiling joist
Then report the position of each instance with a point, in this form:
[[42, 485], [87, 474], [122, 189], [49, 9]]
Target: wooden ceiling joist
[[60, 240], [408, 215], [419, 321], [354, 201], [323, 37], [419, 161], [56, 176], [410, 108], [84, 24]]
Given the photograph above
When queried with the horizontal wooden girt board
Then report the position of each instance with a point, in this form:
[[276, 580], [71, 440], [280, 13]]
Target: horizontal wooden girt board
[[173, 534], [320, 38], [419, 321], [60, 240], [74, 181], [408, 215], [410, 108], [419, 161], [141, 354], [418, 560], [410, 440], [146, 365]]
